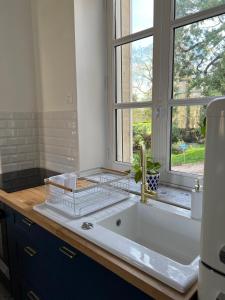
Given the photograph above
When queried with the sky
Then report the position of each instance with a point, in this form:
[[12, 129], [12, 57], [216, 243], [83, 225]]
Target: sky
[[142, 14]]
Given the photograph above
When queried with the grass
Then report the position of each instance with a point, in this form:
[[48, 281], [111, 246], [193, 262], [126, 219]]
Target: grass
[[191, 156]]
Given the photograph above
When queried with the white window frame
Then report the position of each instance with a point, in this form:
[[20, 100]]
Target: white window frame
[[162, 102]]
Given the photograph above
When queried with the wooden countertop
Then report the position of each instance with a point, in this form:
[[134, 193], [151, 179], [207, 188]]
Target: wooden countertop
[[23, 202]]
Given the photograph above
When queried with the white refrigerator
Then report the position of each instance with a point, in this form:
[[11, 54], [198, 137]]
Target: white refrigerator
[[212, 265]]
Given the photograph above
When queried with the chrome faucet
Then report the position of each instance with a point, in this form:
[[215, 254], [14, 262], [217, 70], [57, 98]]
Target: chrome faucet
[[145, 191]]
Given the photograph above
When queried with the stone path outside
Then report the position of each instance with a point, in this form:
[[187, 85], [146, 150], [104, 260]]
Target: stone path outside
[[196, 168]]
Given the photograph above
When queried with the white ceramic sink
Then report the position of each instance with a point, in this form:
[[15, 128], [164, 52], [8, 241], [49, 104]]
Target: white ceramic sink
[[170, 235], [163, 244], [161, 240]]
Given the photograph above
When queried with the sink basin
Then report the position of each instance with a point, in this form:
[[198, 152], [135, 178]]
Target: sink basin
[[163, 244], [170, 235]]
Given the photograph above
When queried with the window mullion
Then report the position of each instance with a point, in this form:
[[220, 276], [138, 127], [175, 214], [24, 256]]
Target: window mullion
[[199, 16], [110, 138], [161, 81], [192, 101], [125, 105], [133, 37]]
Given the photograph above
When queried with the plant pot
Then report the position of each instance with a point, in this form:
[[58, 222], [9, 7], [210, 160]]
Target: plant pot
[[153, 181]]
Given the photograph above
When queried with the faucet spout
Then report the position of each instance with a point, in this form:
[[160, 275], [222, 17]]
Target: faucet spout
[[145, 191]]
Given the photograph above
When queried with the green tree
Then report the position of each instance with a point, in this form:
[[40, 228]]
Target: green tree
[[199, 59], [186, 7]]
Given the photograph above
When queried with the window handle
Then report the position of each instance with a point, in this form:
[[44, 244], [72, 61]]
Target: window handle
[[67, 252], [30, 251], [32, 296]]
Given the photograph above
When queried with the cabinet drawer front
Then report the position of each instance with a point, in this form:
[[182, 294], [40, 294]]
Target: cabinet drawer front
[[40, 237], [33, 265], [29, 292], [23, 223], [30, 260]]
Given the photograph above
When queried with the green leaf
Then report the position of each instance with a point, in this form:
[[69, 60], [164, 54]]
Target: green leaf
[[138, 176], [203, 127]]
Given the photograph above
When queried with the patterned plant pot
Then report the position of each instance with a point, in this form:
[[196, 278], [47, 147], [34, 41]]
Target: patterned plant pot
[[153, 181]]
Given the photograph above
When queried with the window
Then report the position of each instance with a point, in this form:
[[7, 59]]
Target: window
[[198, 65], [134, 71], [133, 16], [166, 63], [133, 127], [133, 56]]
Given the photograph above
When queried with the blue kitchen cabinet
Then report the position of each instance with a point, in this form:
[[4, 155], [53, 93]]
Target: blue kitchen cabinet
[[43, 267]]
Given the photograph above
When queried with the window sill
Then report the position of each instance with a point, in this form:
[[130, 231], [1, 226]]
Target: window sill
[[167, 194]]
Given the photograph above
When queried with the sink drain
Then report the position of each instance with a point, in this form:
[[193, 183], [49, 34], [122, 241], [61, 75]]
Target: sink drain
[[118, 222], [87, 226]]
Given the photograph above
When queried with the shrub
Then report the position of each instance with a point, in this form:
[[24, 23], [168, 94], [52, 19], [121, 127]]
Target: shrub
[[176, 149], [176, 134], [141, 134]]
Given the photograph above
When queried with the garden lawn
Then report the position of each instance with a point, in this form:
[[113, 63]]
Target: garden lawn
[[191, 156]]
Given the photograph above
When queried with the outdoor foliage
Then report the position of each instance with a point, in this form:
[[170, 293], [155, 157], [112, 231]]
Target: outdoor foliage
[[199, 59], [152, 166], [199, 71], [187, 7]]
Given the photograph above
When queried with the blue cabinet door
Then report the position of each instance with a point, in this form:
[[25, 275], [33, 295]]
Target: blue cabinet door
[[80, 278], [47, 268]]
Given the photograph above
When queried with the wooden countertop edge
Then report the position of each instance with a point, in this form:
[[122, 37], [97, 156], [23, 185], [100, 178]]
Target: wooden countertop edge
[[134, 276]]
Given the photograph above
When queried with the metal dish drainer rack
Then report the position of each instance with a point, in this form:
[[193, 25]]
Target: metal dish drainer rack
[[90, 192]]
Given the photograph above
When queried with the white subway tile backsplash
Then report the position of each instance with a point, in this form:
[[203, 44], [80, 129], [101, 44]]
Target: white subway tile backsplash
[[58, 141], [23, 116], [6, 116], [56, 166], [58, 124], [29, 164], [10, 168], [16, 124], [18, 141], [56, 132], [3, 124], [24, 132], [3, 142], [8, 150], [26, 149], [29, 140], [5, 132]]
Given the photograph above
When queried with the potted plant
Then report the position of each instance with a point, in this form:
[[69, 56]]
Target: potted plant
[[152, 176]]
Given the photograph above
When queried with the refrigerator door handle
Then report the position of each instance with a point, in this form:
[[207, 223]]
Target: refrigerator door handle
[[222, 255], [221, 296]]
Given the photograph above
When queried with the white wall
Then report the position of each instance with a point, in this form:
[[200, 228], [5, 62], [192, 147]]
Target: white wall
[[43, 69], [53, 23], [53, 29], [17, 84], [90, 75]]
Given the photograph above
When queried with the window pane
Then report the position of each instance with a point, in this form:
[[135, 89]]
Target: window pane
[[134, 71], [199, 59], [188, 139], [187, 7], [134, 126], [133, 16]]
